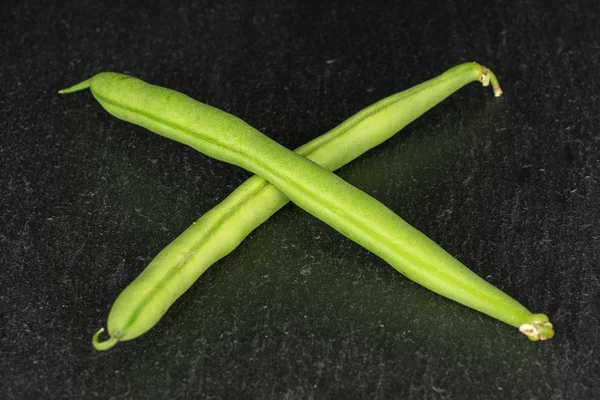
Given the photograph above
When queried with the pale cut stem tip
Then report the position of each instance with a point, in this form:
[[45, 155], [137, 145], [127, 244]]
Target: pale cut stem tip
[[488, 77], [105, 345], [539, 328]]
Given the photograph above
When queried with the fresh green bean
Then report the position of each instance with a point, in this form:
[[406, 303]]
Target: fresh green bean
[[323, 194]]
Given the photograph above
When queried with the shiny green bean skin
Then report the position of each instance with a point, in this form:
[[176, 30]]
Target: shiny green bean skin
[[347, 209]]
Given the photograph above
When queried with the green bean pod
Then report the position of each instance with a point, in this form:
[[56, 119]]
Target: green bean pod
[[347, 209]]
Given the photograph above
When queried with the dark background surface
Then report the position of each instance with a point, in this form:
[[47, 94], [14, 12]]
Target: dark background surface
[[510, 186]]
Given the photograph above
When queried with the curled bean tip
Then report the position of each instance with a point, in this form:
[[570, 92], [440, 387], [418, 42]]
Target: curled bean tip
[[103, 345], [539, 328]]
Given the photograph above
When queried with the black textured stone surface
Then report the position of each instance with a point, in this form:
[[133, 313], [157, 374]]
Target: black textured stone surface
[[510, 186]]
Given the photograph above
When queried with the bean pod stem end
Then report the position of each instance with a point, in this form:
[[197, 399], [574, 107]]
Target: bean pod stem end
[[539, 328], [488, 77]]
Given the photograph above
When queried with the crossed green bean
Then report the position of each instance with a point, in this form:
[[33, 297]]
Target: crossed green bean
[[303, 177]]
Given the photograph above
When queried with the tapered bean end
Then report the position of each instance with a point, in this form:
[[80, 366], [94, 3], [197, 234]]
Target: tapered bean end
[[538, 328], [77, 87], [104, 345]]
